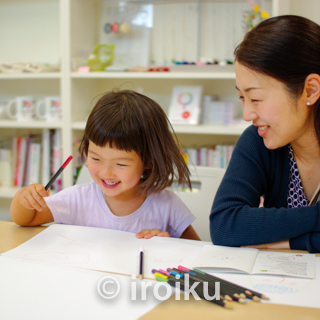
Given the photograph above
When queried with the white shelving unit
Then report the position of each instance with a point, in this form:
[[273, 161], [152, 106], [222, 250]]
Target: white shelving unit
[[54, 31]]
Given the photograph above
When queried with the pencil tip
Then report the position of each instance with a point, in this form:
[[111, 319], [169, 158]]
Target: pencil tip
[[140, 276], [228, 306]]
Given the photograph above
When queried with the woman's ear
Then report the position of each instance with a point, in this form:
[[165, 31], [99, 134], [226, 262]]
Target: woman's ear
[[312, 88]]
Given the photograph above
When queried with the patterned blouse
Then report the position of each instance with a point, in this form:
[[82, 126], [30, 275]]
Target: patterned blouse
[[296, 197]]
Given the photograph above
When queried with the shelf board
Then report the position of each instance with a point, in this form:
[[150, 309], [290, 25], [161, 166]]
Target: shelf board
[[8, 192], [45, 75], [236, 129], [210, 129], [154, 75], [31, 124]]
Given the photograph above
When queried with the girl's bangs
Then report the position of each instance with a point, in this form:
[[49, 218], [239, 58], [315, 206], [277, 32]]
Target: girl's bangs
[[116, 135]]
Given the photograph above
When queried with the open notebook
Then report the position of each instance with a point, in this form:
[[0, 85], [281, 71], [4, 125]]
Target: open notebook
[[253, 261]]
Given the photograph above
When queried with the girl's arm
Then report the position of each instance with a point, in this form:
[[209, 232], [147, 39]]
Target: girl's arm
[[190, 233], [28, 208], [148, 233]]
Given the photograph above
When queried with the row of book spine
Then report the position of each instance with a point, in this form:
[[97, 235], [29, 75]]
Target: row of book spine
[[216, 156], [36, 158]]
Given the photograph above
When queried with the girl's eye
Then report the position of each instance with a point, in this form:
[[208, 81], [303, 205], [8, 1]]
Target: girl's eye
[[121, 165], [94, 159], [241, 97]]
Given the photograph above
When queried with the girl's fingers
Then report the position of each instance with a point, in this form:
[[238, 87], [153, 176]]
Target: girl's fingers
[[34, 203], [142, 233], [163, 234], [26, 203], [32, 197], [147, 234]]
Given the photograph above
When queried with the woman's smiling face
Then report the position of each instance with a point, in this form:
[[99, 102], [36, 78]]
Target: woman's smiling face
[[267, 103]]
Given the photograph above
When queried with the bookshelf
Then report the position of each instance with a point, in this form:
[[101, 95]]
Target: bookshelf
[[57, 31]]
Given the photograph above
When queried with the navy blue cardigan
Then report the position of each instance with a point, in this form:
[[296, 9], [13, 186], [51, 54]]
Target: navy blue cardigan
[[236, 218]]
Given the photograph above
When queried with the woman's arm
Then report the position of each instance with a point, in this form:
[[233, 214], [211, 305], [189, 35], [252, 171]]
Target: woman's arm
[[253, 171]]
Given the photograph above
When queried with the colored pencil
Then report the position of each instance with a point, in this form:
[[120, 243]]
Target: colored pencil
[[230, 288], [224, 292], [172, 280], [248, 292], [56, 175], [141, 264], [227, 287]]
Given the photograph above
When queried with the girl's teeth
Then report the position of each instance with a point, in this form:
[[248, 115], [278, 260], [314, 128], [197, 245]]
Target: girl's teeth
[[110, 182], [263, 128]]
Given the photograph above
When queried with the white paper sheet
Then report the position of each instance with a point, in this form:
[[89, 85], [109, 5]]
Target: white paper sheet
[[221, 258], [106, 250], [33, 291], [285, 264], [249, 260], [281, 289]]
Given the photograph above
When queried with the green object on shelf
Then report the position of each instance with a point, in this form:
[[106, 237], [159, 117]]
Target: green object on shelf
[[101, 57]]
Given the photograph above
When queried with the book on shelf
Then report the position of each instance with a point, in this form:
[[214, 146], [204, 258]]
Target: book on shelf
[[45, 161], [56, 158], [35, 158], [21, 153], [33, 164], [217, 156], [223, 259]]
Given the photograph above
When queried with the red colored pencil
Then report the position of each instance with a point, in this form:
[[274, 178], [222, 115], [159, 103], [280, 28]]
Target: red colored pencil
[[56, 175]]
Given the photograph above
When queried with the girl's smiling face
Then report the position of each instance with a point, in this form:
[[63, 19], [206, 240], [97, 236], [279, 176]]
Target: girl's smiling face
[[267, 103], [117, 172]]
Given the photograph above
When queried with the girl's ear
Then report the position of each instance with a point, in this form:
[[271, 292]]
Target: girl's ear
[[312, 88]]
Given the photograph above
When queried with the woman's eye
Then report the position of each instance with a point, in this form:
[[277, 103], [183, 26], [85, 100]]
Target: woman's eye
[[94, 159], [121, 165], [241, 97]]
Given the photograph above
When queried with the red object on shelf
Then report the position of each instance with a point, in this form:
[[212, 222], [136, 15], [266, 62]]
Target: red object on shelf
[[160, 69]]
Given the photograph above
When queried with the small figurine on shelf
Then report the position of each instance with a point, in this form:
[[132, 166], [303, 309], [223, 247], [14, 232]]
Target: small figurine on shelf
[[254, 16], [101, 57]]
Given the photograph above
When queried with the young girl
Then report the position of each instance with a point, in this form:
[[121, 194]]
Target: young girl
[[278, 157], [132, 157]]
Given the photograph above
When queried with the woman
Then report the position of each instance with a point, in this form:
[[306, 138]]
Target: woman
[[278, 157]]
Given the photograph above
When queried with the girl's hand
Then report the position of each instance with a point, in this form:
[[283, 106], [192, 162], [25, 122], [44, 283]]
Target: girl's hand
[[275, 245], [147, 234], [31, 197]]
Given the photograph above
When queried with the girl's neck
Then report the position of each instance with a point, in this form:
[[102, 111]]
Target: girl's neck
[[122, 207]]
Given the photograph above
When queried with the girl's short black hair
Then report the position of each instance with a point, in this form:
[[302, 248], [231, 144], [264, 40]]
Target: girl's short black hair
[[130, 121], [286, 48]]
